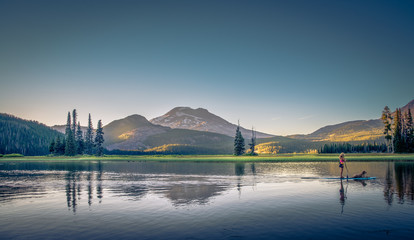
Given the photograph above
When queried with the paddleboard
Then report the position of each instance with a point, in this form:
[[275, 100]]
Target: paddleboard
[[367, 178]]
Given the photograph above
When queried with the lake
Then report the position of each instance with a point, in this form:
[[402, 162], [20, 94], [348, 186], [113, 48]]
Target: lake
[[204, 200]]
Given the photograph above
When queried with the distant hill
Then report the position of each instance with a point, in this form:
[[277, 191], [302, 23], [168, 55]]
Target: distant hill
[[409, 105], [135, 132], [201, 119], [25, 137], [130, 133], [184, 131], [352, 131], [62, 128], [279, 144]]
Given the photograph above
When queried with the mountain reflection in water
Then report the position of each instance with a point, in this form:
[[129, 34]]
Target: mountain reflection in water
[[181, 183]]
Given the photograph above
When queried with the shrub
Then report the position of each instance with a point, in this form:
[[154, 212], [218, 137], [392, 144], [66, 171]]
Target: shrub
[[13, 155]]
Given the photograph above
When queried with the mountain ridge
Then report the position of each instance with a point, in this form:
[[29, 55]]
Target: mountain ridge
[[196, 130], [23, 136], [135, 132], [351, 131], [201, 119]]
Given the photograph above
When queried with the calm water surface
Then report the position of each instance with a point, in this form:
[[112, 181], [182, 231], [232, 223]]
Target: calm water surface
[[190, 200]]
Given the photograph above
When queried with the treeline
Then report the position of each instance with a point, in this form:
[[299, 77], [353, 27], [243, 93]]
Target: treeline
[[24, 137], [170, 149], [74, 142], [398, 130], [353, 148]]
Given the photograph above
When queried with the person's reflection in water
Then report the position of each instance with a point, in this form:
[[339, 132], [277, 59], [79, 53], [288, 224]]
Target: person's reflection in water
[[342, 197]]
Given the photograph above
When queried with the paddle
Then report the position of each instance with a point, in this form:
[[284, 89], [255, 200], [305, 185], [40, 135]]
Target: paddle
[[346, 171]]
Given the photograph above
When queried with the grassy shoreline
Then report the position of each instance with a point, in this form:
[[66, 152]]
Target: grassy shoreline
[[224, 158]]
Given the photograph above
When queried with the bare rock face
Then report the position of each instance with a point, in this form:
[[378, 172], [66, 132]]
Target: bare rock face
[[201, 120]]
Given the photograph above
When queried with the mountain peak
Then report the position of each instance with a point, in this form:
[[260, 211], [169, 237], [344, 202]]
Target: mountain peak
[[187, 110], [135, 117], [127, 124], [200, 119]]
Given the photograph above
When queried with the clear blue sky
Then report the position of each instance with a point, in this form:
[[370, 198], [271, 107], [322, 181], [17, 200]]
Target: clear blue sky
[[285, 67]]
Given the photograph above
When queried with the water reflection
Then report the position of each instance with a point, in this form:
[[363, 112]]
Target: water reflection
[[99, 189], [399, 181], [185, 194], [76, 178], [71, 188], [342, 196], [239, 171], [183, 183], [11, 188]]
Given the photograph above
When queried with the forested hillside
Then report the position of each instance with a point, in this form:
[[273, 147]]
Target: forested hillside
[[25, 137]]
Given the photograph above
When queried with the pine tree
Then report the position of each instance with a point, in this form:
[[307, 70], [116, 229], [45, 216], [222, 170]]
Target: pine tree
[[397, 132], [409, 131], [80, 145], [99, 139], [52, 147], [70, 148], [252, 143], [387, 120], [238, 142], [74, 121], [59, 146], [89, 137]]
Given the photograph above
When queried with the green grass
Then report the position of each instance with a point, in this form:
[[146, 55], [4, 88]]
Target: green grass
[[225, 158]]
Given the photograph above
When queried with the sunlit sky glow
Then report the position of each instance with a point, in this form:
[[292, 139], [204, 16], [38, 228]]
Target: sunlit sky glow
[[286, 67]]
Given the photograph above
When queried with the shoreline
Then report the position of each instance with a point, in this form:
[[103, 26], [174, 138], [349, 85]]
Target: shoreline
[[224, 158]]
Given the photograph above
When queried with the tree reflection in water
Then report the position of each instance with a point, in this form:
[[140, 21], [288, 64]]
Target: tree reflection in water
[[74, 179], [239, 171], [181, 184], [399, 182]]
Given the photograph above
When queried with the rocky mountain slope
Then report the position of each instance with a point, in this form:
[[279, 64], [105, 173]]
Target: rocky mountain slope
[[201, 120]]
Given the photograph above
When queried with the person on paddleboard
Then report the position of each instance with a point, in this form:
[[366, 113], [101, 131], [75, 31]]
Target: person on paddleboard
[[342, 161]]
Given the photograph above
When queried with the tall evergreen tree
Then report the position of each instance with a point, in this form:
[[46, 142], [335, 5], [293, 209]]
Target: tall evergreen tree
[[99, 139], [238, 142], [68, 125], [60, 146], [89, 137], [387, 120], [397, 132], [74, 121], [52, 147], [80, 145], [409, 131], [252, 143], [57, 146], [70, 148]]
